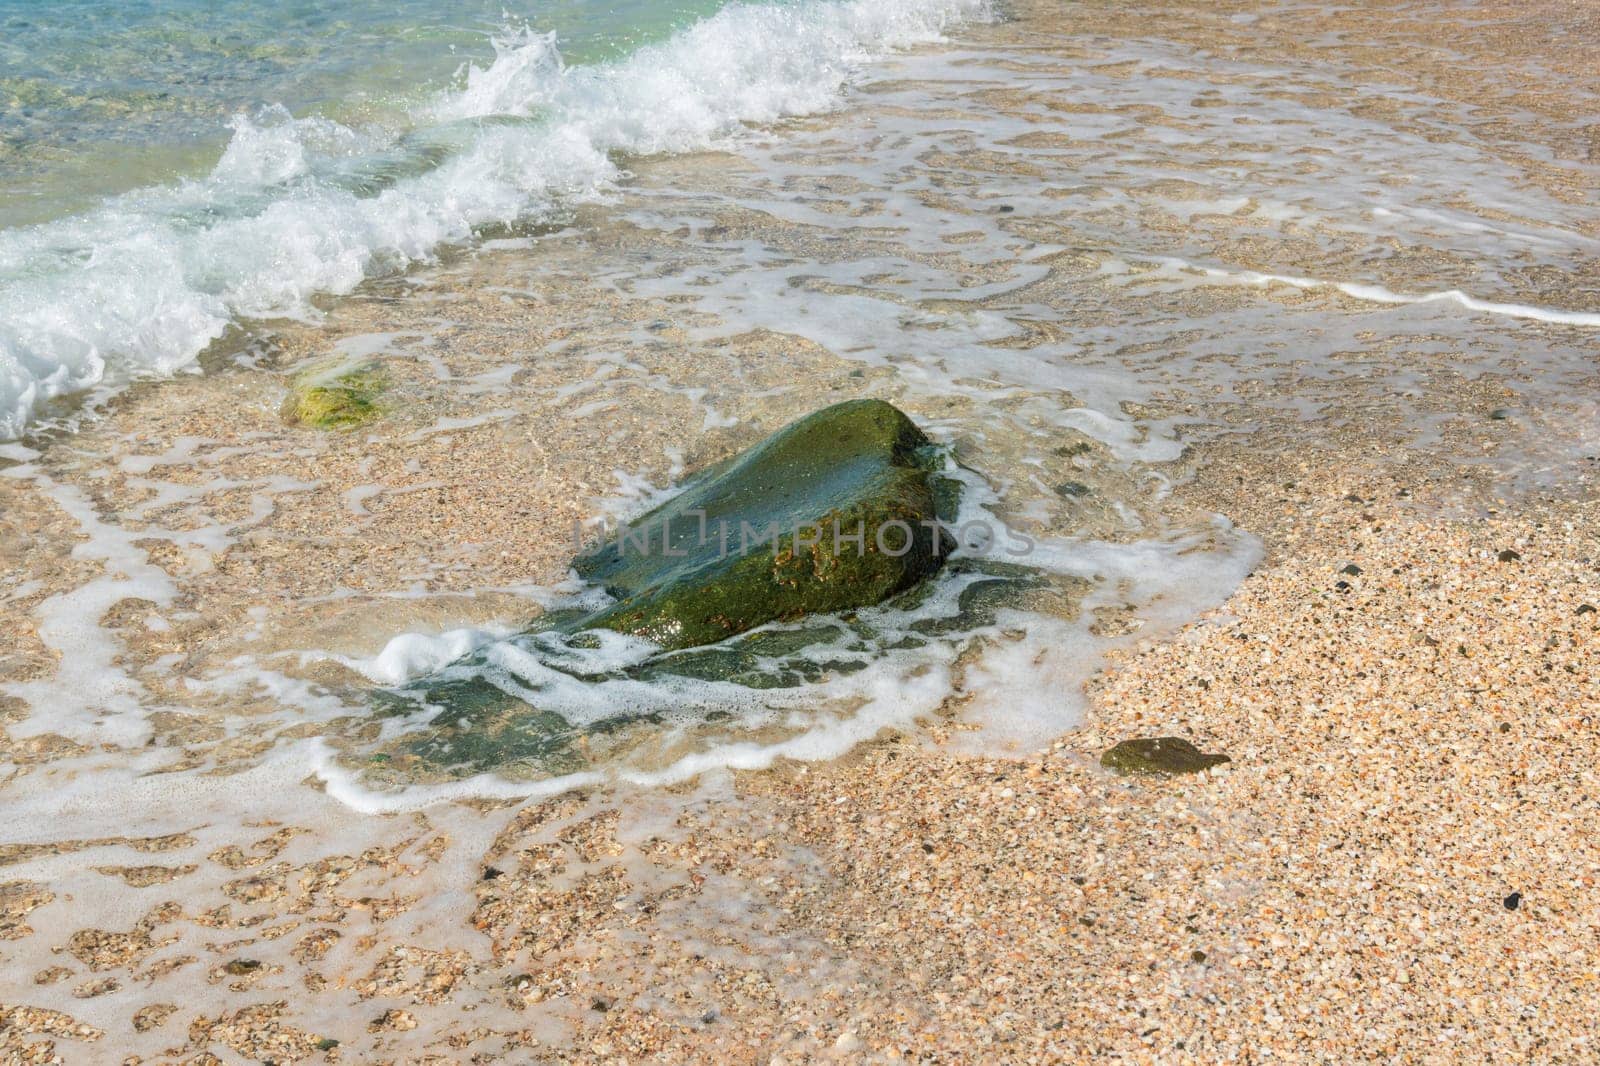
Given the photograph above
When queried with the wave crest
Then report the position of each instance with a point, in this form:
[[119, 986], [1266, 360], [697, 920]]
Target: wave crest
[[295, 207]]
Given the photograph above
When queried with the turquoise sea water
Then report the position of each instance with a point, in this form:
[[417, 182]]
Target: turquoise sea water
[[171, 171], [99, 97]]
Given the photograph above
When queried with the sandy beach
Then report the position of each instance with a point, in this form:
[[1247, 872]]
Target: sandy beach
[[1327, 492]]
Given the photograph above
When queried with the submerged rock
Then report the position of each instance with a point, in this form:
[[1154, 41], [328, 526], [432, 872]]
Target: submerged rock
[[836, 511], [335, 398], [564, 696], [1160, 755]]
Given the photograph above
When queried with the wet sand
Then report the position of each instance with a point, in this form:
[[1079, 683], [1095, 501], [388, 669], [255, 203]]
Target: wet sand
[[1397, 863]]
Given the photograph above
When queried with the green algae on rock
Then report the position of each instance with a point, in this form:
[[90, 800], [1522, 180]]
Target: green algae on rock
[[838, 510], [340, 397], [701, 575], [1160, 755]]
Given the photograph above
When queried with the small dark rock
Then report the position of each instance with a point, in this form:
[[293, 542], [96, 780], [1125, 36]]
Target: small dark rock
[[927, 849], [600, 1005], [1505, 727], [490, 873], [1072, 490], [1342, 586], [1513, 901], [327, 1043], [708, 1017], [240, 967], [1509, 556], [1353, 570], [1586, 608], [1005, 209], [1197, 956], [1160, 755], [1500, 414]]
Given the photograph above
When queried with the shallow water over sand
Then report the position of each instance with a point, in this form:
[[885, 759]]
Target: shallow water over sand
[[1072, 260]]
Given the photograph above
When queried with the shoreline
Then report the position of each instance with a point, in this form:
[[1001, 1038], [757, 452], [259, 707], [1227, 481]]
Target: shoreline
[[1395, 863], [1301, 869]]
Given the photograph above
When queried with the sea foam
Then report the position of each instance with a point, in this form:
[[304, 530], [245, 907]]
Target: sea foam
[[301, 206]]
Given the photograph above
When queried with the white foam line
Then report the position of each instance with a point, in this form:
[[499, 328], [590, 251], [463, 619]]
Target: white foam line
[[896, 702], [1380, 294]]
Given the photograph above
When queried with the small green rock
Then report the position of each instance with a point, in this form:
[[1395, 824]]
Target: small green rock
[[338, 397], [327, 1043], [722, 557], [1160, 755]]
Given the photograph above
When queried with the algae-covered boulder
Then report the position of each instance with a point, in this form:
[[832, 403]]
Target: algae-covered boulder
[[1160, 755], [835, 511], [335, 397]]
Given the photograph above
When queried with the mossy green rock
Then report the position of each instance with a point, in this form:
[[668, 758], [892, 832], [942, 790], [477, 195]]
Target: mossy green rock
[[335, 398], [1160, 755], [855, 481]]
